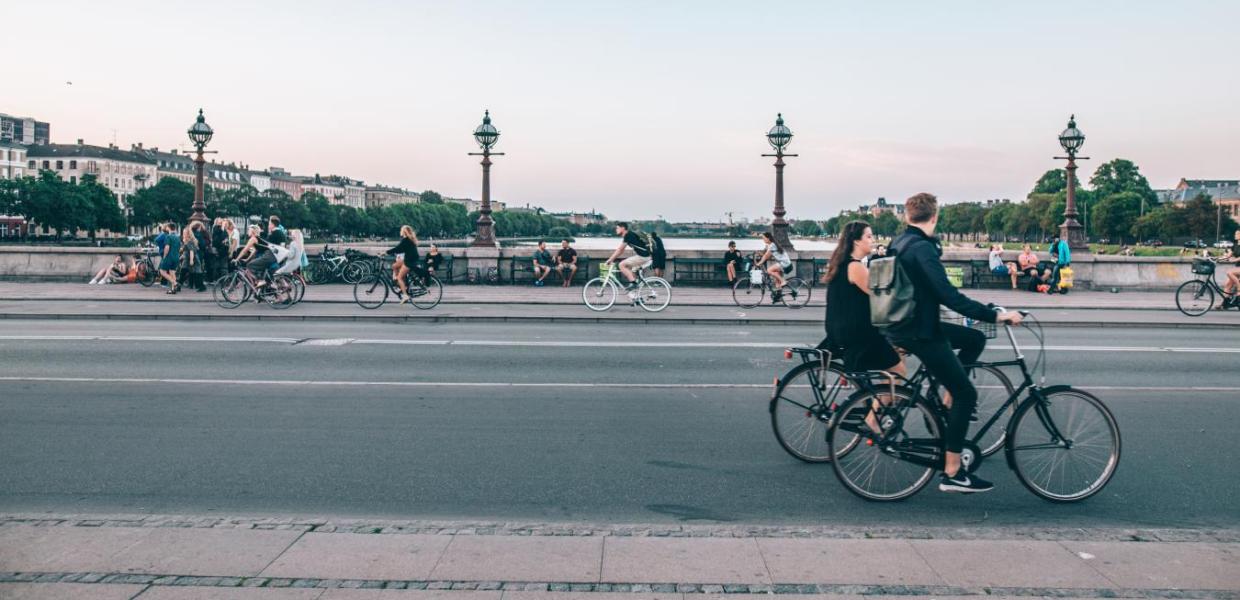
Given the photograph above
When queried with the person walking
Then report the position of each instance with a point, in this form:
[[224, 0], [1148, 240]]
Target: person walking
[[170, 258], [922, 334]]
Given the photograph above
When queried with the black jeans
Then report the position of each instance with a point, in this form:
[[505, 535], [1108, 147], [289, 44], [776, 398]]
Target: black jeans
[[948, 370], [261, 265]]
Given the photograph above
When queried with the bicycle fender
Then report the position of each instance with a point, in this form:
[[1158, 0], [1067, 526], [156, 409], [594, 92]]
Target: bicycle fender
[[1007, 447]]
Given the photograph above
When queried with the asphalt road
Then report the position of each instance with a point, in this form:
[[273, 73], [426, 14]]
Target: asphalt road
[[599, 423]]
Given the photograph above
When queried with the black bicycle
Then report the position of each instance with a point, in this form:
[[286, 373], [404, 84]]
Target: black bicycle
[[808, 395], [148, 274], [886, 440], [278, 291], [1195, 297], [748, 291], [425, 291]]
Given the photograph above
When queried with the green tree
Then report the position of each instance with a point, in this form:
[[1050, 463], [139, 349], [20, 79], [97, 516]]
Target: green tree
[[1201, 218], [102, 211], [1116, 214], [807, 228], [322, 217], [886, 225], [559, 233], [1122, 176], [431, 197], [1051, 182], [169, 200]]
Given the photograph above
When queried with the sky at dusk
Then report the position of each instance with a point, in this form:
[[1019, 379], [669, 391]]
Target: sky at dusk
[[639, 109]]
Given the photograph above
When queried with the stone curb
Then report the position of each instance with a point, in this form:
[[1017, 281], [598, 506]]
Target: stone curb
[[161, 580], [487, 528]]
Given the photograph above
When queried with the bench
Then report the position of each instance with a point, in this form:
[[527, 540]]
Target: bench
[[699, 270], [525, 264], [980, 275], [445, 268]]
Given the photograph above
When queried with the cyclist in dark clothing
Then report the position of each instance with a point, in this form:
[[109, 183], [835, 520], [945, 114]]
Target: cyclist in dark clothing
[[924, 336], [848, 306], [406, 253], [261, 266]]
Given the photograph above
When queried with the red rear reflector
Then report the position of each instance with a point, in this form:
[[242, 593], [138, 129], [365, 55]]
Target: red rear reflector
[[869, 442], [787, 354]]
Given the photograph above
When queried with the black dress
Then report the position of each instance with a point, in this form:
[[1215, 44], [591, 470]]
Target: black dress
[[849, 327]]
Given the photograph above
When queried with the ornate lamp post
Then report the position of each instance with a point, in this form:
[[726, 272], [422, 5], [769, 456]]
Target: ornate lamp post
[[779, 136], [486, 135], [1070, 230], [200, 134]]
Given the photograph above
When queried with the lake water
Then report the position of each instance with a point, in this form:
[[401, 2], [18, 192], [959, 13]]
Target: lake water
[[673, 244]]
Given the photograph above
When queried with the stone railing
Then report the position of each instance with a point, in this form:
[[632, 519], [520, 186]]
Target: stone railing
[[52, 263]]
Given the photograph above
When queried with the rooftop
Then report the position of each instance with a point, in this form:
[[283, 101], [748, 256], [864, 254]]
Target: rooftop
[[87, 151]]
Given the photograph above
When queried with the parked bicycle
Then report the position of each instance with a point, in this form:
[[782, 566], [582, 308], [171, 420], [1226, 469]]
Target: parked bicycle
[[652, 293], [240, 286], [886, 440], [748, 292], [148, 274], [373, 290], [331, 266], [1195, 297]]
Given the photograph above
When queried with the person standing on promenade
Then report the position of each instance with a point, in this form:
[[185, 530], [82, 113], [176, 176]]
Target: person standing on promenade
[[170, 258]]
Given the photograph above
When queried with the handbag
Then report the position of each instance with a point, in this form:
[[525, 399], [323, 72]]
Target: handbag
[[279, 251]]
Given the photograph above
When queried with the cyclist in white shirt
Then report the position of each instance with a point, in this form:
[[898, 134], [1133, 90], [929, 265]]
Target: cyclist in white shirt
[[776, 262]]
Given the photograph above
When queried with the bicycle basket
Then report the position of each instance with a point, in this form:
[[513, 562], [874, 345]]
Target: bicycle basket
[[990, 330], [1203, 267], [604, 269]]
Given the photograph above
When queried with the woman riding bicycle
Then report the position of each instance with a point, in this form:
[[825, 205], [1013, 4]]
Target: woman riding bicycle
[[406, 253], [776, 262]]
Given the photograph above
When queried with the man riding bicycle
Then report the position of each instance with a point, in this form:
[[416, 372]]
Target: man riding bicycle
[[924, 336], [629, 266]]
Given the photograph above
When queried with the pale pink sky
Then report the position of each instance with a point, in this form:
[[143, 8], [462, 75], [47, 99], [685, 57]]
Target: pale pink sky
[[641, 108]]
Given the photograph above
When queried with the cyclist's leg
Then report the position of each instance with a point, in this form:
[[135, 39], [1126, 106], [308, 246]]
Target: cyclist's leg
[[630, 265], [966, 341], [939, 359]]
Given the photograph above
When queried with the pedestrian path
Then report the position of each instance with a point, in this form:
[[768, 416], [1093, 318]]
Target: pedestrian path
[[159, 557]]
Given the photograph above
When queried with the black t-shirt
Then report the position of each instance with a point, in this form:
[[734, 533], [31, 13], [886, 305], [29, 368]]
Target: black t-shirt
[[637, 242], [273, 237], [732, 256], [434, 260], [567, 256]]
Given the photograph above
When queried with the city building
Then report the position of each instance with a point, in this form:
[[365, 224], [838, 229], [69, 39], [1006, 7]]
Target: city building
[[472, 205], [334, 192], [1223, 192], [24, 130], [378, 196], [354, 191], [581, 219], [223, 176], [285, 182], [122, 171], [12, 160], [259, 180], [882, 206]]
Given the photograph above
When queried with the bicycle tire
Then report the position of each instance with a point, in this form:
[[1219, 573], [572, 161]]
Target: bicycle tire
[[318, 273], [371, 293], [993, 391], [654, 294], [796, 292], [429, 300], [747, 294], [599, 294], [147, 274], [800, 417], [1072, 412], [355, 271], [857, 468], [283, 292], [230, 291], [1190, 295]]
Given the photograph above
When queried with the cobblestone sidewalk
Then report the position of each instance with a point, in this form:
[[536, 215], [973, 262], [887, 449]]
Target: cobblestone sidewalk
[[182, 557]]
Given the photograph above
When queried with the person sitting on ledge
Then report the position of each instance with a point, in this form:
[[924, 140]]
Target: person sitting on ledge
[[1000, 268], [117, 272], [732, 262], [566, 263], [542, 263], [434, 260]]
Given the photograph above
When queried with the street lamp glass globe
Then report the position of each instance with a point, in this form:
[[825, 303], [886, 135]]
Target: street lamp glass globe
[[486, 135], [1071, 139], [200, 133], [779, 135]]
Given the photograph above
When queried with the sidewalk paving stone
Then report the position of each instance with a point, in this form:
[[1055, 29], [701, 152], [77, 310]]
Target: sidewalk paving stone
[[340, 594], [881, 562], [360, 556], [216, 593], [69, 591], [532, 559], [232, 552], [28, 548], [591, 596], [688, 560], [1008, 563], [1182, 565]]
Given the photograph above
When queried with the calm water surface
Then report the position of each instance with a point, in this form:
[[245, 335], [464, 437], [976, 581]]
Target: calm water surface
[[673, 244]]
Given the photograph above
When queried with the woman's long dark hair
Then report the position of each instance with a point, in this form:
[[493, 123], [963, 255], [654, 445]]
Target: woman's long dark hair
[[852, 232], [771, 240]]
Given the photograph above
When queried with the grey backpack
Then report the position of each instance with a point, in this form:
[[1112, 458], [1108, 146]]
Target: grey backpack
[[891, 293]]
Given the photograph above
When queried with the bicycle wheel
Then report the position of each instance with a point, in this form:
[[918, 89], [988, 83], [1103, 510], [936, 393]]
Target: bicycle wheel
[[654, 294], [371, 292], [899, 462], [318, 273], [355, 271], [993, 391], [1064, 448], [299, 288], [747, 294], [599, 294], [796, 293], [801, 410], [425, 296], [1194, 298], [146, 274], [230, 291]]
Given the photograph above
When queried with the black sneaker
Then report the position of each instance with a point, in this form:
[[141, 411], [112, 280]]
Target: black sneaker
[[964, 483]]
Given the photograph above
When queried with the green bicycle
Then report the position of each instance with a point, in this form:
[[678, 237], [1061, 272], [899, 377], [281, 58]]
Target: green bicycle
[[652, 293]]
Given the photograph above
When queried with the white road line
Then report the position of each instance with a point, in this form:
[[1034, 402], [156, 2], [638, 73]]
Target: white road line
[[338, 342], [479, 384]]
